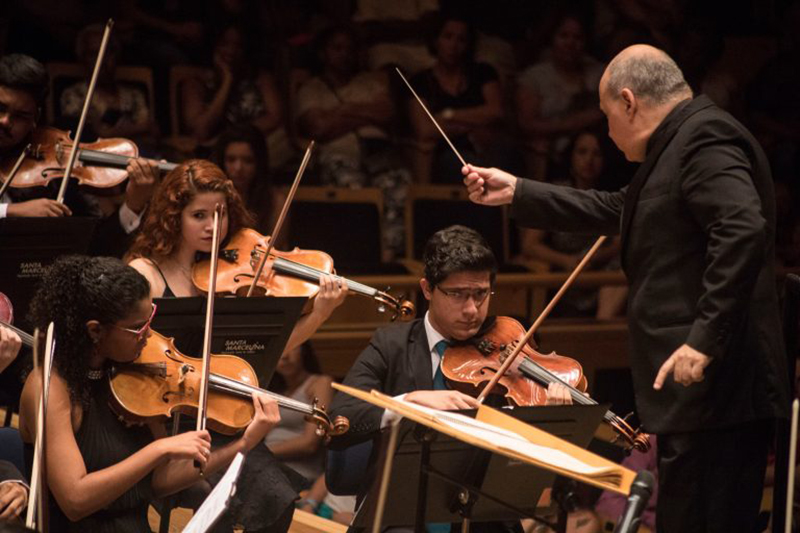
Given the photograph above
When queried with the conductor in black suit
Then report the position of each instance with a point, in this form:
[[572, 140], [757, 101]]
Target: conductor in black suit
[[697, 224]]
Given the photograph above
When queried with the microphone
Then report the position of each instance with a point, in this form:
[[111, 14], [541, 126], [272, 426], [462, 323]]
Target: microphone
[[641, 489]]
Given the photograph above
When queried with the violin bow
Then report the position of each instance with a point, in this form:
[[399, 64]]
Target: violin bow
[[202, 405], [281, 218], [438, 127], [35, 517], [89, 93], [542, 316], [14, 170]]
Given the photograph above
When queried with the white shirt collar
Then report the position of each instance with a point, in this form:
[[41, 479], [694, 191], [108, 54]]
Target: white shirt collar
[[433, 336]]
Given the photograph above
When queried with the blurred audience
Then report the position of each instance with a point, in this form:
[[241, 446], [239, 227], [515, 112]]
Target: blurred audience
[[394, 32], [241, 153], [467, 101], [544, 251], [348, 111], [295, 441], [117, 109], [557, 97], [234, 90]]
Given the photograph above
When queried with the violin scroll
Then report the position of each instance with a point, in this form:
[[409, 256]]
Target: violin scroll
[[634, 439], [403, 309], [326, 428]]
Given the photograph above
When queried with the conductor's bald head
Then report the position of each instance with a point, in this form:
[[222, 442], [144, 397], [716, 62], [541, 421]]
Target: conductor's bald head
[[639, 87], [648, 72]]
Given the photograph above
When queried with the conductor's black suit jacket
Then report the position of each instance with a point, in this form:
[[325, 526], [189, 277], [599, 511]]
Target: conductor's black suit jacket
[[697, 224]]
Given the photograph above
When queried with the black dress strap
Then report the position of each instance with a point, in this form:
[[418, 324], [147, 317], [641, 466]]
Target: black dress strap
[[167, 291]]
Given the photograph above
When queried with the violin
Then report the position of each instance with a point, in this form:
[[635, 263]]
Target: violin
[[293, 273], [7, 319], [469, 366], [162, 381], [100, 164]]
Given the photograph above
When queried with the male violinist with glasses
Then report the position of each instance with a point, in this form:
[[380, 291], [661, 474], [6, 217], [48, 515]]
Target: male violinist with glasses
[[404, 359], [23, 87]]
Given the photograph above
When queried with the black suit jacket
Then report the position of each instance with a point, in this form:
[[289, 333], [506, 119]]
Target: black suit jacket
[[396, 361], [698, 230]]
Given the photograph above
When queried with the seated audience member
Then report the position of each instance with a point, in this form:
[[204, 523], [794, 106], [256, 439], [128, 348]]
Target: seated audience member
[[295, 441], [557, 97], [553, 251], [23, 86], [179, 226], [241, 153], [234, 90], [102, 472], [318, 500], [392, 32], [349, 111], [466, 99], [117, 109]]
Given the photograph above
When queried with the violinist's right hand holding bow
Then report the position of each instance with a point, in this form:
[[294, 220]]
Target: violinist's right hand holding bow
[[186, 449], [40, 207], [489, 186]]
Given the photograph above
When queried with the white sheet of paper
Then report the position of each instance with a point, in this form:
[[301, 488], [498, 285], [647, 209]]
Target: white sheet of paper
[[217, 501], [509, 440]]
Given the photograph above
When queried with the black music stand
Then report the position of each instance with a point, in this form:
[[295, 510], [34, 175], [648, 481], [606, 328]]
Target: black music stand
[[28, 246], [437, 478], [255, 329]]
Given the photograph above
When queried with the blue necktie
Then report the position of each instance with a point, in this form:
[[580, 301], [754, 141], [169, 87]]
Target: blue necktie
[[438, 377]]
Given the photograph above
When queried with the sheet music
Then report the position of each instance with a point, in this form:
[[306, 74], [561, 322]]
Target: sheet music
[[509, 440], [218, 500]]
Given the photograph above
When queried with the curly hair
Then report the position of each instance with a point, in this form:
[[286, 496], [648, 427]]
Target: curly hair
[[74, 290], [161, 230], [457, 249]]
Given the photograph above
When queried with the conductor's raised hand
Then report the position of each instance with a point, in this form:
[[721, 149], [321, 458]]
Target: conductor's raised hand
[[446, 400], [489, 186], [685, 364], [266, 417]]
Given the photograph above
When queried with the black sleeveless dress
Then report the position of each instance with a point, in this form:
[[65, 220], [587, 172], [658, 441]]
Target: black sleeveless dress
[[103, 442], [266, 489]]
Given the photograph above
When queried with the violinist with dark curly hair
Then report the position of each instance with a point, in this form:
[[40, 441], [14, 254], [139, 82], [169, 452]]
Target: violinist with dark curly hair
[[101, 472]]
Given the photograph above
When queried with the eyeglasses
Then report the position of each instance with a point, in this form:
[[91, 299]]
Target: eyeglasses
[[142, 330], [16, 116], [461, 296]]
